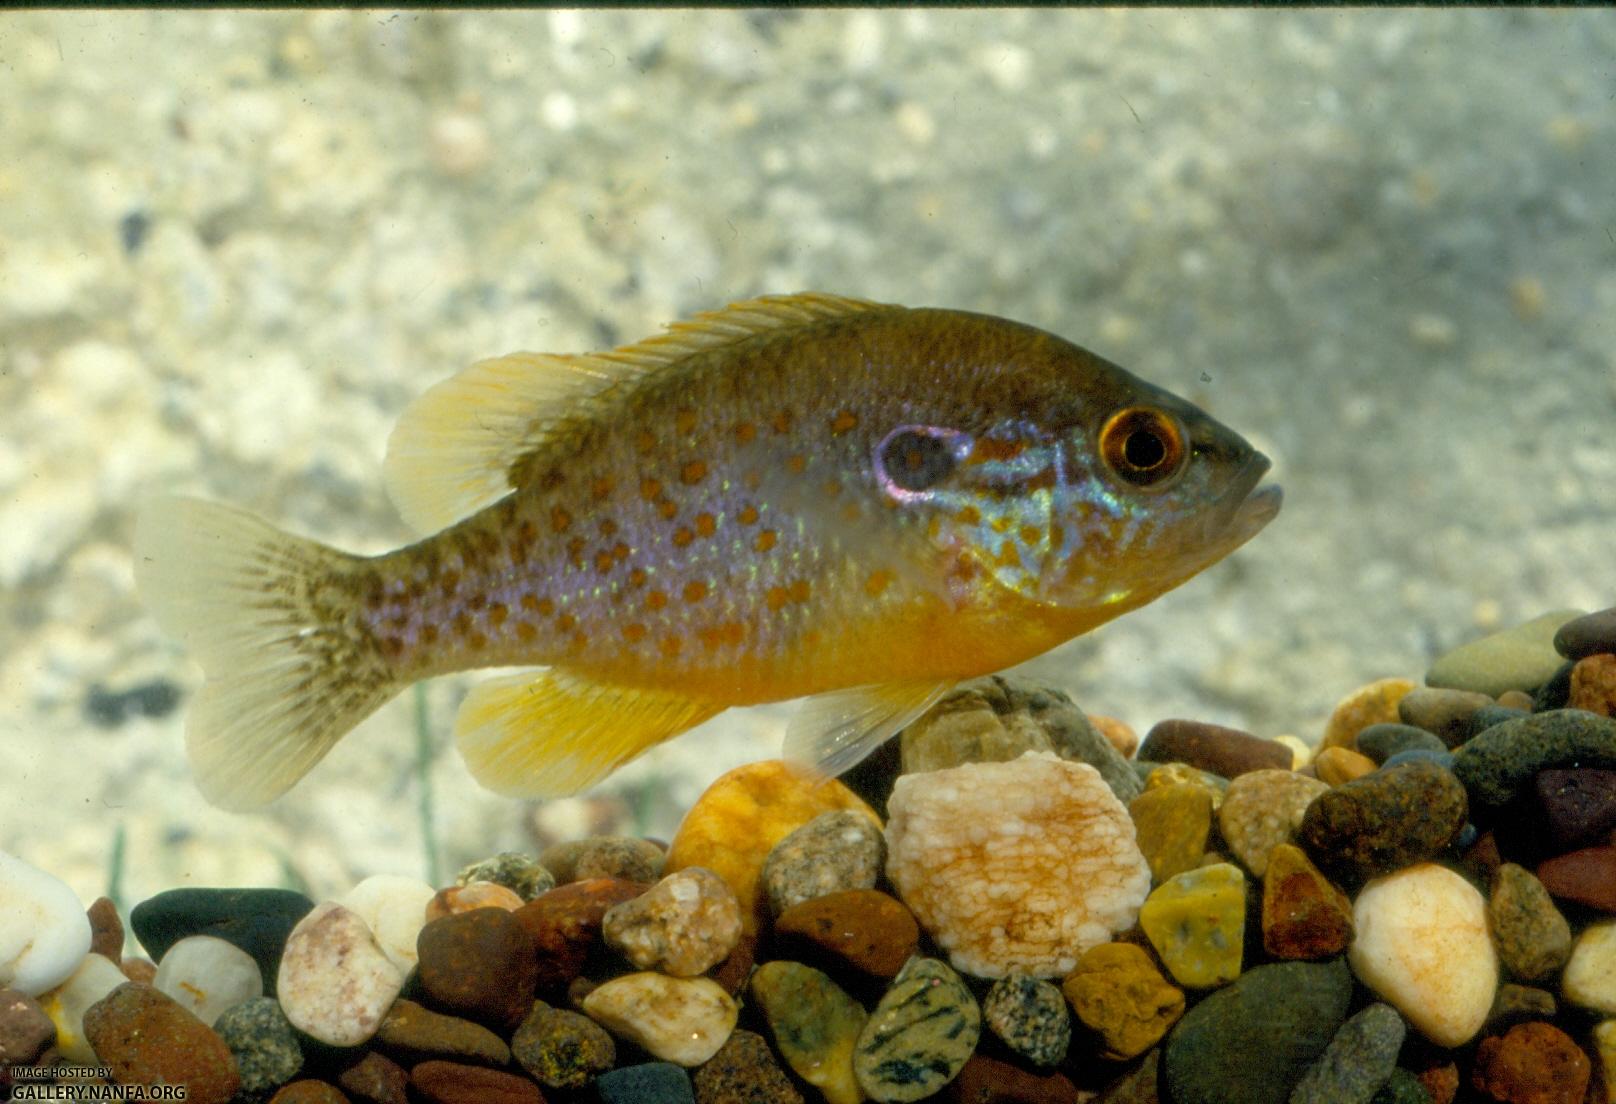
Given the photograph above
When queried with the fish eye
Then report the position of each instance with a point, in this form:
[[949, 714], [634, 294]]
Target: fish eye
[[1144, 446], [914, 459]]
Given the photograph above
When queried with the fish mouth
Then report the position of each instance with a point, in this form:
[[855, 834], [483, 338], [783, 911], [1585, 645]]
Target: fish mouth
[[1241, 511]]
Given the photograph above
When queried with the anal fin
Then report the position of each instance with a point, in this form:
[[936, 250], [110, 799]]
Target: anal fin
[[552, 733], [834, 731]]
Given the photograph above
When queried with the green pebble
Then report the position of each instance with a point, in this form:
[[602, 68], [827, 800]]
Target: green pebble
[[1517, 658], [1197, 922], [1499, 762], [920, 1035], [815, 1025]]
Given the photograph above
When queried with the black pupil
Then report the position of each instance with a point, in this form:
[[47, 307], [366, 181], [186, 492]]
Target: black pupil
[[1143, 449], [916, 461]]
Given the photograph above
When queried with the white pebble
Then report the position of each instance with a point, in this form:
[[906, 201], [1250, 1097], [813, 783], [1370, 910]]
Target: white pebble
[[679, 1020], [44, 933], [1422, 945], [206, 975], [67, 1003], [335, 983], [1589, 980], [394, 909]]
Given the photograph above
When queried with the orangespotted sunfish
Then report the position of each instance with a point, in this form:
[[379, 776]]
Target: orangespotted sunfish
[[797, 495]]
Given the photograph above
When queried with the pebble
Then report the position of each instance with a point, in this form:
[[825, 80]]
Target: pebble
[[1589, 980], [207, 975], [815, 1025], [377, 1079], [686, 924], [1402, 1087], [1226, 752], [1359, 1060], [263, 1043], [964, 728], [564, 925], [1532, 937], [481, 965], [25, 1030], [562, 1049], [1301, 752], [521, 874], [648, 1083], [309, 1092], [921, 1034], [1119, 734], [1532, 1063], [66, 1004], [1117, 992], [394, 909], [106, 929], [831, 853], [1579, 805], [862, 928], [1172, 774], [1590, 634], [1499, 763], [1422, 945], [1587, 877], [144, 1037], [1262, 810], [259, 921], [1197, 922], [1029, 1017], [1253, 1040], [1521, 657], [1443, 759], [44, 931], [473, 895], [1338, 765], [1593, 685], [680, 1020], [744, 1072], [1371, 704], [1172, 824], [1384, 821], [1304, 916], [740, 818], [1381, 741], [987, 1080], [335, 983], [1446, 714], [627, 857], [1015, 865], [440, 1082], [1515, 1004], [1604, 1039], [414, 1033]]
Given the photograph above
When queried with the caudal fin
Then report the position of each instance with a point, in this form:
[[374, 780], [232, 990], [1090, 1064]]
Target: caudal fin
[[272, 620]]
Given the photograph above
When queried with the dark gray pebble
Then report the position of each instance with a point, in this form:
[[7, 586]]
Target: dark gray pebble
[[1442, 757], [1590, 634], [1500, 762], [1384, 821], [650, 1083], [1514, 1004], [1381, 741], [1555, 693], [264, 1044], [1489, 715], [256, 920], [1358, 1061]]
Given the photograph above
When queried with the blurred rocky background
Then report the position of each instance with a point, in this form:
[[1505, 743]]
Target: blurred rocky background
[[234, 245]]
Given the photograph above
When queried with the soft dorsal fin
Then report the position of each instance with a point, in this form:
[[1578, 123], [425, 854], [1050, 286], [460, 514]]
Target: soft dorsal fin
[[455, 447], [834, 731]]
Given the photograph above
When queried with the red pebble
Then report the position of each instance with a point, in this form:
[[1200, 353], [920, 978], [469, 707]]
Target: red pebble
[[564, 925], [1587, 877], [455, 1083], [1532, 1063]]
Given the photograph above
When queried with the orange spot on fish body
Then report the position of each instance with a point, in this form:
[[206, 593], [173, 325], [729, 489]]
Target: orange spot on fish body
[[765, 540], [796, 463], [877, 582], [560, 520], [695, 591], [391, 646], [711, 638], [969, 515], [733, 632], [1008, 555], [575, 551], [603, 562], [497, 614], [684, 421], [449, 581], [668, 509], [429, 634], [693, 472], [832, 488], [637, 577], [1030, 534], [682, 537], [843, 422], [608, 527], [645, 441], [475, 602], [476, 641], [777, 597], [526, 632], [745, 433], [781, 422], [851, 512], [670, 646], [706, 526], [600, 487], [566, 622], [650, 489], [634, 632], [747, 515], [620, 551], [799, 590]]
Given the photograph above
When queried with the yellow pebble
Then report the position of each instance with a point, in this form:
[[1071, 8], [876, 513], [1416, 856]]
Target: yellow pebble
[[1171, 774], [1196, 922], [1172, 823], [1118, 993], [1338, 764], [1375, 703], [734, 825]]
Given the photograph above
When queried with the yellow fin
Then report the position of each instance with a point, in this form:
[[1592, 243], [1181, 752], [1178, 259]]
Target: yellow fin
[[834, 731], [263, 613], [553, 733], [456, 447]]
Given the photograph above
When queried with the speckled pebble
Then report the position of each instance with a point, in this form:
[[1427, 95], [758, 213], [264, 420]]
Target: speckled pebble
[[1375, 703], [1514, 1004], [335, 983], [1578, 805], [1172, 774], [1172, 824], [681, 1020], [1532, 937], [265, 1047], [627, 857], [1262, 810], [1118, 994], [1497, 764], [648, 1083], [106, 929], [522, 874], [1384, 821], [1358, 1061], [1381, 741], [1593, 685], [481, 965], [564, 926], [815, 1024], [25, 1030], [1196, 922], [375, 1079], [683, 926], [744, 1072], [562, 1049], [919, 1036], [834, 852], [1029, 1016]]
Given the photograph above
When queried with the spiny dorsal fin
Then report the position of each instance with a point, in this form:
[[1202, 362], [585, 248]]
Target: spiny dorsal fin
[[456, 447]]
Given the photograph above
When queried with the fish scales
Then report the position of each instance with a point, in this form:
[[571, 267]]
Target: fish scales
[[796, 496]]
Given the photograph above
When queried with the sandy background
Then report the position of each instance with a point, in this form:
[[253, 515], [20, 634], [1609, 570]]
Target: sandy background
[[233, 246]]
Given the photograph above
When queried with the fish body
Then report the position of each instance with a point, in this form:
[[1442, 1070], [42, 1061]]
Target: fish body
[[800, 495]]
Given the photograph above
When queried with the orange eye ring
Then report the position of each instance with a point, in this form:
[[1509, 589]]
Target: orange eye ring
[[1144, 447]]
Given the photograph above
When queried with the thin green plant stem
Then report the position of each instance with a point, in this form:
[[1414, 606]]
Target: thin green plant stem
[[423, 778], [115, 863]]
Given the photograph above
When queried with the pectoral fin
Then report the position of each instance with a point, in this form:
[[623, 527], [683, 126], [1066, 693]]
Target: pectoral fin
[[554, 733], [833, 731]]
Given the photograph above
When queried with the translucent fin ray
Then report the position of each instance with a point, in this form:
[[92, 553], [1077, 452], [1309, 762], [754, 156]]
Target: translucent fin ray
[[834, 731]]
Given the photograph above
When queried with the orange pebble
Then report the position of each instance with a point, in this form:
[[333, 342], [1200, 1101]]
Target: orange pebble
[[1117, 733], [473, 895], [1336, 765], [1375, 703], [1593, 685]]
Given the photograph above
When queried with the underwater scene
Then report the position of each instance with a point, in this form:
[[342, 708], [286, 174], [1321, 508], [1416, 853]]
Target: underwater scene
[[781, 555]]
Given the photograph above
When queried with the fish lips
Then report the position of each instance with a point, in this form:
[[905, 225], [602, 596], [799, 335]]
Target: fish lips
[[1243, 509]]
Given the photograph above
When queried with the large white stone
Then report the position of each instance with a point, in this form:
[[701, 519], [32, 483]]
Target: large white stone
[[394, 909], [44, 933], [680, 1020], [206, 975], [67, 1003], [1422, 945], [335, 983], [1589, 980]]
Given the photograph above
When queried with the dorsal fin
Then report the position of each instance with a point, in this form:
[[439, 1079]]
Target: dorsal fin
[[456, 447]]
